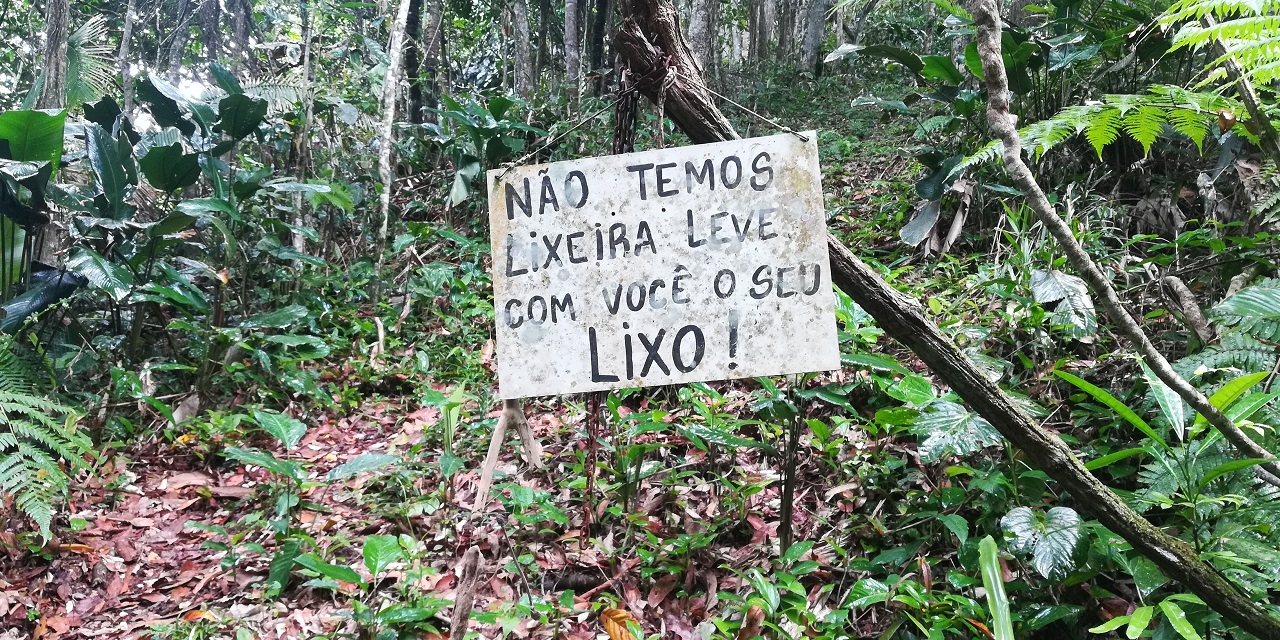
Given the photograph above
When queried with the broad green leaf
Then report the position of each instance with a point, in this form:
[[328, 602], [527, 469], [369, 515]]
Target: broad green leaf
[[1178, 620], [866, 592], [34, 136], [766, 589], [1113, 457], [101, 273], [109, 171], [278, 319], [226, 80], [1111, 625], [796, 551], [404, 613], [169, 168], [239, 115], [1069, 295], [313, 562], [1230, 392], [282, 564], [955, 524], [1051, 539], [1139, 620], [940, 69], [285, 468], [1229, 467], [380, 552], [1147, 577], [874, 362], [286, 429], [913, 389], [950, 429], [993, 582], [1119, 407], [362, 463], [1170, 402], [696, 431], [200, 206]]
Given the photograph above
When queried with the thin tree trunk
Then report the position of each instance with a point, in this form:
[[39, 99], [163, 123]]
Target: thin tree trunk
[[544, 29], [595, 42], [787, 10], [814, 28], [122, 58], [572, 49], [413, 45], [211, 29], [650, 34], [302, 142], [433, 58], [241, 16], [386, 136], [520, 42], [53, 94], [703, 16], [178, 46]]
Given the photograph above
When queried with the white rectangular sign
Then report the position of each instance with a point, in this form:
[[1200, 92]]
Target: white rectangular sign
[[677, 265]]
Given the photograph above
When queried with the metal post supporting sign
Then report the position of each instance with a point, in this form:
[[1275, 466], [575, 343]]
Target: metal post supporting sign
[[677, 265]]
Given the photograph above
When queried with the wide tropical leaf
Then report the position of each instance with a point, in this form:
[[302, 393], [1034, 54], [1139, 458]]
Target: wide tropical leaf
[[1050, 538], [33, 135], [239, 115], [951, 429], [101, 273], [169, 168]]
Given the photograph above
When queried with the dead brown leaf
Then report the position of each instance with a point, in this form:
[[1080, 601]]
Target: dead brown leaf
[[615, 622]]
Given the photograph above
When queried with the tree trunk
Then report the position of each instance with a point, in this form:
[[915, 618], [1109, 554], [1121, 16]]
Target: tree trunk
[[241, 17], [595, 42], [53, 93], [211, 29], [432, 58], [302, 142], [814, 29], [122, 58], [787, 10], [760, 31], [703, 16], [520, 42], [647, 36], [544, 28], [413, 45], [386, 136], [178, 46], [572, 50]]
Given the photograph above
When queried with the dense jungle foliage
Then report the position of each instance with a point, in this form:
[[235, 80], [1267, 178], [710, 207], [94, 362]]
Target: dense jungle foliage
[[247, 361]]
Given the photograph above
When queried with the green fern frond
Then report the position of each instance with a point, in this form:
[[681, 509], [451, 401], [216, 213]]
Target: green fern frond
[[1103, 129], [1144, 125], [37, 437], [1236, 352]]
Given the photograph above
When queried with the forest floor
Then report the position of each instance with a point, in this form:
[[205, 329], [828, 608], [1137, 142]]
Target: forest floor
[[168, 541]]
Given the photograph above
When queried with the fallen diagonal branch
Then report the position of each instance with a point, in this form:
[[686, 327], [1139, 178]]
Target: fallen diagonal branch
[[642, 45], [987, 17]]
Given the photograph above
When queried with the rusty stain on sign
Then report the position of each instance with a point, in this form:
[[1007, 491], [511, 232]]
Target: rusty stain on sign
[[677, 265]]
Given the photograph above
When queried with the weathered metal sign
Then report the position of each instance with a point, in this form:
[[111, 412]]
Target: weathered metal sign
[[678, 265]]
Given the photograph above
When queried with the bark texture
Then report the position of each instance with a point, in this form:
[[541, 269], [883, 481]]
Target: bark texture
[[122, 58], [903, 319], [572, 48], [386, 130], [178, 43], [814, 28], [520, 41], [703, 16], [53, 93]]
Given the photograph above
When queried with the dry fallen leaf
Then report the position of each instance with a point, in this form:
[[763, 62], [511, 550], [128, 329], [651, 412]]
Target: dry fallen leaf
[[197, 614], [751, 623], [615, 622]]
